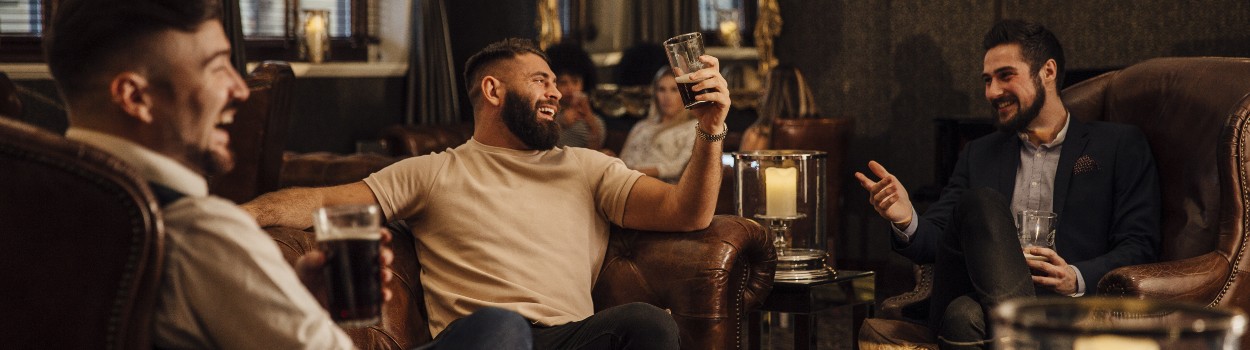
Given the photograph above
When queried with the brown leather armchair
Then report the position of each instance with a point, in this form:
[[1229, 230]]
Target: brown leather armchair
[[418, 140], [81, 240], [1195, 112], [258, 134]]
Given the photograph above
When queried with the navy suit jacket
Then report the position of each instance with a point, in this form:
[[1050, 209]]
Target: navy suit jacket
[[1108, 207]]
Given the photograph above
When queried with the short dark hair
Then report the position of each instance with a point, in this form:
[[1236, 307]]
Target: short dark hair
[[496, 51], [569, 58], [85, 36], [1037, 44]]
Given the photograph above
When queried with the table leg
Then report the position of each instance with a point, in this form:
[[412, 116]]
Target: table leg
[[753, 331], [804, 335]]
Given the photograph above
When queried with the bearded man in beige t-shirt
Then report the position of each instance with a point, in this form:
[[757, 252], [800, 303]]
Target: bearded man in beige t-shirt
[[510, 221]]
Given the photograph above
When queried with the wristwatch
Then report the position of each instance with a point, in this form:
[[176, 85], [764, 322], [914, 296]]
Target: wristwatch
[[709, 137]]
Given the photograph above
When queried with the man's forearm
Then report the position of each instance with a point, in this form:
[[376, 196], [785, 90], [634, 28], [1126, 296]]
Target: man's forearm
[[700, 184], [292, 207]]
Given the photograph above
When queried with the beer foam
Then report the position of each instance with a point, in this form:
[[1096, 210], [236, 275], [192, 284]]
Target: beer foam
[[685, 79], [352, 233]]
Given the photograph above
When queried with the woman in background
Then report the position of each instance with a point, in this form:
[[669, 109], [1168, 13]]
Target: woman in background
[[660, 145], [787, 97]]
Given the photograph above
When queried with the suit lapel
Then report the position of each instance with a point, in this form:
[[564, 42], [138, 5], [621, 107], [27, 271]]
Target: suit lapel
[[1073, 147]]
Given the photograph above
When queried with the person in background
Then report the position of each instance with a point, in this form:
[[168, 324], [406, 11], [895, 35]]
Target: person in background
[[151, 83], [659, 146], [575, 78], [786, 97]]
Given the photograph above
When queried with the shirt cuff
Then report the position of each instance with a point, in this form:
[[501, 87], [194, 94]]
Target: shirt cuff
[[905, 234], [1080, 282]]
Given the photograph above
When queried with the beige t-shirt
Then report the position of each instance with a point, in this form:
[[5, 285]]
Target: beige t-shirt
[[520, 230]]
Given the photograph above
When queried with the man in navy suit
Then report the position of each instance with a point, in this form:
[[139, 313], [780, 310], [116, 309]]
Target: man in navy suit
[[1099, 178]]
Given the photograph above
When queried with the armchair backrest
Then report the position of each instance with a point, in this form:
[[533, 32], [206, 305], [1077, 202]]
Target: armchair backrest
[[81, 242], [1193, 111], [258, 134]]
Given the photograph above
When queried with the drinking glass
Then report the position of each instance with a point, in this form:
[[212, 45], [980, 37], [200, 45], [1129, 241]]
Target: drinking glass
[[683, 56], [1035, 228], [1114, 323], [349, 237]]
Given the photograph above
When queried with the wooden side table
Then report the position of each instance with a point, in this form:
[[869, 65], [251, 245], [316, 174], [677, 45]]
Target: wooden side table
[[804, 302]]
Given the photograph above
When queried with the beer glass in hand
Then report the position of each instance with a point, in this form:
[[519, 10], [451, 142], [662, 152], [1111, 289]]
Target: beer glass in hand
[[349, 237], [683, 56], [1036, 229]]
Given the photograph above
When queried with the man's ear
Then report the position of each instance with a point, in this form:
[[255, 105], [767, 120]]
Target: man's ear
[[129, 91], [1049, 71], [493, 90]]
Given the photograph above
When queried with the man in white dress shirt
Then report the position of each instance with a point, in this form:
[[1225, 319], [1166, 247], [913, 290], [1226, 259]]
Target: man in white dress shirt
[[151, 82]]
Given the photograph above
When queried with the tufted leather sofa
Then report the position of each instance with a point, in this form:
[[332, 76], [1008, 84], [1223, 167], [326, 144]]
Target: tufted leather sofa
[[709, 279], [1195, 112]]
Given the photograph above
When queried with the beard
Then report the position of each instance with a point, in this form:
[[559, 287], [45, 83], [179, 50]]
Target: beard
[[217, 163], [522, 120], [1024, 115]]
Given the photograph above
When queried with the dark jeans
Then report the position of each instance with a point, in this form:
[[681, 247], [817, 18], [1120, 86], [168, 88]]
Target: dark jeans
[[488, 328], [629, 326], [979, 265]]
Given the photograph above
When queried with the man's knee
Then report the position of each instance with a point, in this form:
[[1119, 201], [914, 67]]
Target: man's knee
[[647, 322], [500, 327], [963, 321]]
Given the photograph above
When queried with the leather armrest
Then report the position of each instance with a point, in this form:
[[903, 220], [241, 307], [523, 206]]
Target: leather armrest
[[1198, 279], [403, 323], [900, 307], [708, 278]]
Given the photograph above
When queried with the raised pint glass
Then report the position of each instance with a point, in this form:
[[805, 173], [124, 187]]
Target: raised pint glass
[[683, 56]]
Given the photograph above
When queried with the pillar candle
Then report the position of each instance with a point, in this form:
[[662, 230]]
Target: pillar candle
[[781, 191], [315, 35], [1107, 341]]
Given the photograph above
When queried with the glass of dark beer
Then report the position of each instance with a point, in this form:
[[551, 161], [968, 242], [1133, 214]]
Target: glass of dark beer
[[349, 237], [683, 56]]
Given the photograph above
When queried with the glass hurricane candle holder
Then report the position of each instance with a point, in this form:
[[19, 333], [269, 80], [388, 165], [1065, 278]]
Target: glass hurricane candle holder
[[785, 191]]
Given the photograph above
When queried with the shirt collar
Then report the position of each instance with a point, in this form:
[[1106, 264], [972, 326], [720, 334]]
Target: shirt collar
[[1063, 134], [152, 166]]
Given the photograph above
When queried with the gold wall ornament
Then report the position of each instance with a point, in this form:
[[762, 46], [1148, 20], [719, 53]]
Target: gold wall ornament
[[549, 30], [767, 27]]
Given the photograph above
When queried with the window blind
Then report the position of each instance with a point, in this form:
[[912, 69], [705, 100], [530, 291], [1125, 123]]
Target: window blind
[[21, 17]]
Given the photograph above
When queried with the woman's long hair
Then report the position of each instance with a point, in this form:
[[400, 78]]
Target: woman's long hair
[[653, 112]]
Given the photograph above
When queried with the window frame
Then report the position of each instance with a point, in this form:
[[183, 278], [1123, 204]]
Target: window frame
[[26, 48], [352, 48]]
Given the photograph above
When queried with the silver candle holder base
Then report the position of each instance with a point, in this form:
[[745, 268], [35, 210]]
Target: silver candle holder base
[[796, 265]]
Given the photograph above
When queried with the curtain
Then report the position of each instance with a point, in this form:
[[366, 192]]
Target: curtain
[[232, 20], [657, 20], [432, 95]]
